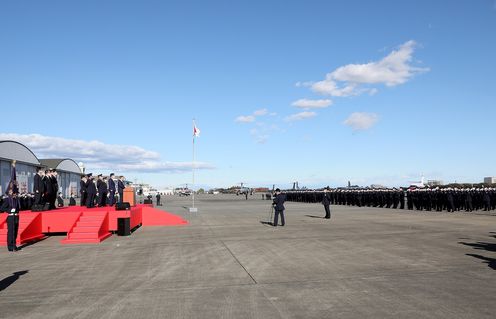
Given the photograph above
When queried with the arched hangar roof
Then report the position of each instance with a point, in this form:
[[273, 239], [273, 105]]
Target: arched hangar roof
[[65, 165], [12, 150]]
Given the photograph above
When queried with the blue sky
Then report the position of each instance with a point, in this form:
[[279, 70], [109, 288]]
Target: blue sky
[[387, 89]]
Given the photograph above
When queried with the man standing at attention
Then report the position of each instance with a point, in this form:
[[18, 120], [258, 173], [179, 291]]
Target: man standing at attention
[[278, 204], [38, 186], [83, 190], [326, 201], [120, 188], [111, 188], [13, 210]]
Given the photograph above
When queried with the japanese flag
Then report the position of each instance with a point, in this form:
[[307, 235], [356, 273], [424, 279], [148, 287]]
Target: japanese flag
[[196, 131]]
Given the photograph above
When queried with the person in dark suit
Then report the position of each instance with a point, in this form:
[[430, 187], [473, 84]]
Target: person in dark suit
[[158, 199], [278, 204], [83, 190], [111, 188], [326, 201], [91, 190], [72, 200], [120, 188], [60, 200], [55, 188], [47, 180], [13, 210], [101, 185], [38, 186]]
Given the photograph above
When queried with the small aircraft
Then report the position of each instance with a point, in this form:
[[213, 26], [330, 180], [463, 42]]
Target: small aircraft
[[183, 191], [243, 190], [419, 184]]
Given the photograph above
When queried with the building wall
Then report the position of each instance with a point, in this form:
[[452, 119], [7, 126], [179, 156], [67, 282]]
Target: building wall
[[68, 183], [25, 174], [490, 180]]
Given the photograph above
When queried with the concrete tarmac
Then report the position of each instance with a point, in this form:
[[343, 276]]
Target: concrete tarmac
[[363, 263]]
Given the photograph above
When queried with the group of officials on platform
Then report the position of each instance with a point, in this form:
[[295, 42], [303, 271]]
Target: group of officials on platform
[[45, 187], [101, 192]]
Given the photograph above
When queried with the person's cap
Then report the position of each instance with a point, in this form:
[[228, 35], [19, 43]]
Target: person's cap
[[112, 174], [89, 175], [278, 190], [99, 175]]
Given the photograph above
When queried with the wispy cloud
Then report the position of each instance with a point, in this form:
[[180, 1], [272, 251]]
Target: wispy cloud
[[300, 116], [360, 121], [261, 112], [245, 119], [353, 79], [251, 118], [99, 155], [312, 104]]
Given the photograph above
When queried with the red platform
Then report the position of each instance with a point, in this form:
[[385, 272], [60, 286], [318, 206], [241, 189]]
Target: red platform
[[83, 225]]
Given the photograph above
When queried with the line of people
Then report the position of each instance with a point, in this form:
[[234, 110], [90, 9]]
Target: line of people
[[429, 199], [102, 191], [45, 187]]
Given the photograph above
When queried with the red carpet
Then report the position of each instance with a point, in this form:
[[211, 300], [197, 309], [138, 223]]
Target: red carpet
[[83, 225]]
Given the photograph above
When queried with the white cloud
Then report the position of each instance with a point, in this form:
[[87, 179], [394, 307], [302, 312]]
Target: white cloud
[[300, 116], [98, 155], [361, 121], [310, 104], [394, 69], [261, 112], [253, 117], [245, 119]]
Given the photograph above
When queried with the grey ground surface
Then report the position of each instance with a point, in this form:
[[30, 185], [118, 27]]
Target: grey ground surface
[[363, 263]]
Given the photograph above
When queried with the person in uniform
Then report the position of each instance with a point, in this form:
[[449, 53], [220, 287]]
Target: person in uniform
[[91, 190], [158, 199], [12, 210], [55, 188], [83, 190], [120, 188], [72, 200], [278, 204], [38, 186], [102, 191], [326, 201], [111, 188], [60, 200]]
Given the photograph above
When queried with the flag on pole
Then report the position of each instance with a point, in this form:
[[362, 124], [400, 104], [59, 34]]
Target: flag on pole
[[13, 179], [196, 131]]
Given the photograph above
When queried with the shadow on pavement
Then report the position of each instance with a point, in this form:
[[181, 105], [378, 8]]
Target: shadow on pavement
[[7, 282], [491, 262], [313, 216]]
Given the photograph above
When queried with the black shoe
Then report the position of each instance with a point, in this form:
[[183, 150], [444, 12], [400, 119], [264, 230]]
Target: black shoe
[[327, 217]]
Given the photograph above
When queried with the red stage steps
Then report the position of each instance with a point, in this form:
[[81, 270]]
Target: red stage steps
[[91, 227]]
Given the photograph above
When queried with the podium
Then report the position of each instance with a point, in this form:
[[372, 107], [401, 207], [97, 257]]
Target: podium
[[130, 196]]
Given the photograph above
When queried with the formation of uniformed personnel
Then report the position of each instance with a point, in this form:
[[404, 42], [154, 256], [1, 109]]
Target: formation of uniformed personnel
[[278, 204], [429, 199]]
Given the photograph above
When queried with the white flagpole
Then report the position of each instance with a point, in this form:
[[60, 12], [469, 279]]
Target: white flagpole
[[193, 190]]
